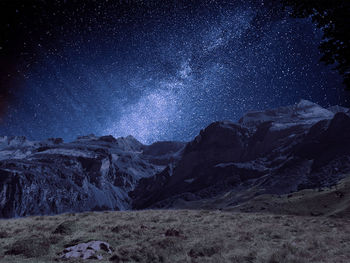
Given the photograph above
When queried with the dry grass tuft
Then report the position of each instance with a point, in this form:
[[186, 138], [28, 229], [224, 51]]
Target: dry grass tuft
[[65, 228], [30, 247]]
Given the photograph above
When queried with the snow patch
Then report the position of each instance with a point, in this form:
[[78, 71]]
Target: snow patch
[[69, 152], [190, 180], [223, 165], [104, 166]]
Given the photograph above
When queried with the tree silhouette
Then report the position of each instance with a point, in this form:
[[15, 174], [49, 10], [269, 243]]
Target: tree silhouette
[[333, 17]]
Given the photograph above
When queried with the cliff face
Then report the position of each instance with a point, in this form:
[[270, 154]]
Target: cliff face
[[91, 173], [275, 151]]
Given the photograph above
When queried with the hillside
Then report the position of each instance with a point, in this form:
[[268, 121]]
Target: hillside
[[332, 202], [329, 201]]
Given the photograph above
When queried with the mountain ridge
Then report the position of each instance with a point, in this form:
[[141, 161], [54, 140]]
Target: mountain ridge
[[276, 151], [267, 152]]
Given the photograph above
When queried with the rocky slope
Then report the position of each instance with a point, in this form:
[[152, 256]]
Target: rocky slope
[[91, 173], [275, 151]]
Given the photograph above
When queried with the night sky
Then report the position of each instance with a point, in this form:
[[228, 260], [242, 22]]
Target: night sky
[[158, 70]]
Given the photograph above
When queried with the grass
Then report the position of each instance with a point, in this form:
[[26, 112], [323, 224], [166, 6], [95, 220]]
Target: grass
[[179, 236], [331, 202], [328, 201]]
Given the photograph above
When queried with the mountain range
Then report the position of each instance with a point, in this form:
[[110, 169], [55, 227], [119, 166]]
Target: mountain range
[[275, 152]]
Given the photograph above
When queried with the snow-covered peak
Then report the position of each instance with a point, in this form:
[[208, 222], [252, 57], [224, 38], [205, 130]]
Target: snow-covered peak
[[305, 103], [14, 141], [129, 143], [303, 113], [308, 110], [337, 108]]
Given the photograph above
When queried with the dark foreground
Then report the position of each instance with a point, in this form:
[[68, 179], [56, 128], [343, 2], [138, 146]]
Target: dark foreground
[[179, 236]]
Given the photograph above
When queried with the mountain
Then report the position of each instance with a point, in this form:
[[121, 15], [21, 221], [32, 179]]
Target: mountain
[[90, 173], [276, 152], [267, 153]]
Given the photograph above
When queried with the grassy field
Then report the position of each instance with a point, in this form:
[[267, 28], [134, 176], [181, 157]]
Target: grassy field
[[330, 202], [179, 236]]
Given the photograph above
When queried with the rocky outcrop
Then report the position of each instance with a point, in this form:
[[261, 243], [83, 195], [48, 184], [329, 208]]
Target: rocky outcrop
[[89, 250]]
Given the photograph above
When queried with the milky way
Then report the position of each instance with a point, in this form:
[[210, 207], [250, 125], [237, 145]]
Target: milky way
[[165, 72]]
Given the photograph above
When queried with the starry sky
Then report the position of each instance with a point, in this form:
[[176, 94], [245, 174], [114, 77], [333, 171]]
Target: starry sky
[[158, 70]]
